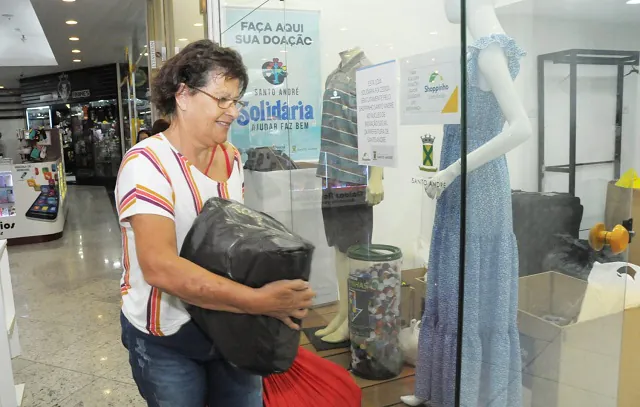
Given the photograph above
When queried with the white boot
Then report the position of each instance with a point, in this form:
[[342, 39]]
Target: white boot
[[339, 335], [338, 329], [412, 400]]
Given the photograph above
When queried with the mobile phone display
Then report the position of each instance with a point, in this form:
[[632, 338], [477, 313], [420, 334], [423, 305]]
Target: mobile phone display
[[45, 207]]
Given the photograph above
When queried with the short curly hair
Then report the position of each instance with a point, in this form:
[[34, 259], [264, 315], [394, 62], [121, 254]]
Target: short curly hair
[[193, 67]]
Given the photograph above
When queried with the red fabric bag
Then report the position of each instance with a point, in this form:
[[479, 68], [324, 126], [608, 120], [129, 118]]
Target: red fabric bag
[[311, 382]]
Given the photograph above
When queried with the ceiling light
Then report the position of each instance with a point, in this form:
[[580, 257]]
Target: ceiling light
[[75, 51], [182, 39], [74, 39], [343, 29], [1, 87], [77, 60], [68, 1], [633, 2], [146, 54], [198, 25], [71, 22]]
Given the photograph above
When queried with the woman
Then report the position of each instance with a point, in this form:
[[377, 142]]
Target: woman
[[143, 135], [159, 126], [162, 185]]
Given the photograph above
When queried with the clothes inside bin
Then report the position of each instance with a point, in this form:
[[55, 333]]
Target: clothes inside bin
[[374, 311]]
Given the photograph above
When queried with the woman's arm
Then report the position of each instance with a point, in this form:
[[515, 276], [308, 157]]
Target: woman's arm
[[163, 268]]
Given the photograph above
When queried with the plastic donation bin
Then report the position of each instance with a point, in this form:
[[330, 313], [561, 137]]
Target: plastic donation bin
[[374, 310]]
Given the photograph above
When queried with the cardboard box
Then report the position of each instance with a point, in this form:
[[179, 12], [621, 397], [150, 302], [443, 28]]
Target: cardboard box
[[412, 295], [572, 364], [624, 204], [629, 390]]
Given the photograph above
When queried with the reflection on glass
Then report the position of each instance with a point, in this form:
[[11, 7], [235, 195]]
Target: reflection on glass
[[542, 90]]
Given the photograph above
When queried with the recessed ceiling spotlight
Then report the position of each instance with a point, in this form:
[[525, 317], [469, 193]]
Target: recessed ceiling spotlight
[[75, 51], [74, 39], [182, 39], [198, 25], [146, 54], [71, 22], [77, 60]]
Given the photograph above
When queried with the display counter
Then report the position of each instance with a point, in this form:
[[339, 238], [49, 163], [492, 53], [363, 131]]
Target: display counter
[[32, 201]]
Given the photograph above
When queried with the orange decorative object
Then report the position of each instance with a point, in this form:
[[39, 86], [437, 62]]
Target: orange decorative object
[[618, 238]]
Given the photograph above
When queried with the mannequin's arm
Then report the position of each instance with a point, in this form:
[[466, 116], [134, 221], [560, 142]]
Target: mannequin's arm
[[493, 65], [375, 191]]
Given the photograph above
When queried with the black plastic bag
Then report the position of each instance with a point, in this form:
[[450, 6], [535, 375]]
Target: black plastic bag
[[253, 249], [575, 258]]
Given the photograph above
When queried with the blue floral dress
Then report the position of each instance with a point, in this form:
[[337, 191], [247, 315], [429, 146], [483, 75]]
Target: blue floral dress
[[491, 365]]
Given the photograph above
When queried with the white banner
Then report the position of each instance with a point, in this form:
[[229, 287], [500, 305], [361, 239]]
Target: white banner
[[377, 115], [430, 88]]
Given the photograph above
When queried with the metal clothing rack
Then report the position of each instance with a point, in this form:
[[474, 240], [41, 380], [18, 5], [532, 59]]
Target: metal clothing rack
[[573, 58]]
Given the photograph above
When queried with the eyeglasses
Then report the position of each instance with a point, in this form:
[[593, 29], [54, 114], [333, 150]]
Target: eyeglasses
[[223, 103]]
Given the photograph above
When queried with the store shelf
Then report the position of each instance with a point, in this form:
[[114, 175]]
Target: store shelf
[[19, 393]]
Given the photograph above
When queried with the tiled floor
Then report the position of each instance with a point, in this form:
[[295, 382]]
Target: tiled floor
[[68, 303]]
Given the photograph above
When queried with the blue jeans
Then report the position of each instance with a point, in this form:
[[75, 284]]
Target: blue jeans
[[183, 370]]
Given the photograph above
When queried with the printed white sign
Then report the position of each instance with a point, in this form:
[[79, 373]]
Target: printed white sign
[[430, 88], [152, 53], [377, 115]]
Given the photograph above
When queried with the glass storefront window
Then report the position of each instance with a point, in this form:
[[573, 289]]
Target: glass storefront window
[[498, 163], [333, 152], [545, 318]]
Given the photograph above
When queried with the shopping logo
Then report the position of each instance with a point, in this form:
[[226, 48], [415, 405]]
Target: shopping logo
[[435, 77], [436, 84], [274, 71]]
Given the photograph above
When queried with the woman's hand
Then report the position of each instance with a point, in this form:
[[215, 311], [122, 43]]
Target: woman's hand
[[284, 300]]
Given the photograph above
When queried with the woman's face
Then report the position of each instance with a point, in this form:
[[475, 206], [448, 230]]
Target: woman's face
[[209, 122]]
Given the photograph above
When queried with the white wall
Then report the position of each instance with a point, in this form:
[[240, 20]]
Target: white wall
[[596, 107], [406, 27]]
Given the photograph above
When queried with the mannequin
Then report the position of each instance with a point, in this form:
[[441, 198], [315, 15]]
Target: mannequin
[[491, 371], [349, 190]]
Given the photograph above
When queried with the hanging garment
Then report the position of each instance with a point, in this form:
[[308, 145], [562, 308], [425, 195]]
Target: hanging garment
[[251, 248], [339, 136], [312, 382], [491, 373]]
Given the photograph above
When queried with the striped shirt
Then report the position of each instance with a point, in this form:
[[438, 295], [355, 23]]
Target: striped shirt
[[339, 137], [156, 179]]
